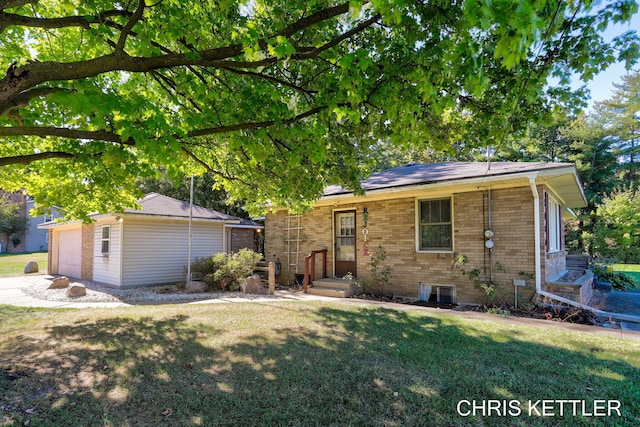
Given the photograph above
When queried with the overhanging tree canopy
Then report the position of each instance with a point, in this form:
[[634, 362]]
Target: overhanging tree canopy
[[277, 98]]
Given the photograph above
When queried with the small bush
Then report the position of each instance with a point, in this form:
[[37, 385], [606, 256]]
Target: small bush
[[619, 281], [224, 272], [202, 266]]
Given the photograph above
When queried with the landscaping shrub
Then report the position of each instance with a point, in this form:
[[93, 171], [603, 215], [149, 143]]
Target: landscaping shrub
[[224, 272], [619, 281]]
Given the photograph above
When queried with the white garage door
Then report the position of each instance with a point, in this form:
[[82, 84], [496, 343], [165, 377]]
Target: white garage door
[[69, 252]]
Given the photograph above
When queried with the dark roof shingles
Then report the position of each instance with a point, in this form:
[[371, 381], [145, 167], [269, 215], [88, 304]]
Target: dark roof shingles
[[158, 204], [415, 174]]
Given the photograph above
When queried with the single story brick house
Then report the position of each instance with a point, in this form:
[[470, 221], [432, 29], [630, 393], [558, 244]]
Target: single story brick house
[[144, 247], [504, 218]]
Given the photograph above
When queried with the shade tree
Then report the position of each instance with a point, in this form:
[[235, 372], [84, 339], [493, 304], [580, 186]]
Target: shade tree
[[275, 98]]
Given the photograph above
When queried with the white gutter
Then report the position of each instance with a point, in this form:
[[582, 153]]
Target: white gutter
[[182, 218], [255, 227], [537, 229]]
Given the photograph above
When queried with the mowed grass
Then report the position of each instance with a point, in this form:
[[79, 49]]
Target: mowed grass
[[298, 363], [12, 265], [631, 270]]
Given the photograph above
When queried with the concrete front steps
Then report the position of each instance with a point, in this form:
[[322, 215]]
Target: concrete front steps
[[334, 287]]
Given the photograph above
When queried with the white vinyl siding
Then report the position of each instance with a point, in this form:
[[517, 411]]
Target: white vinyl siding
[[155, 251], [70, 252], [106, 269]]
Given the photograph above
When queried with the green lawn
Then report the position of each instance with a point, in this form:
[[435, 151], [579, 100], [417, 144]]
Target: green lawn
[[299, 363], [631, 270], [13, 264]]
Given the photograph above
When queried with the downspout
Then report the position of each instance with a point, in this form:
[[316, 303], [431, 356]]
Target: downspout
[[490, 228], [537, 228]]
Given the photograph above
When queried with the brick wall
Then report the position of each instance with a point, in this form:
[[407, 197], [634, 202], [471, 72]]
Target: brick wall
[[88, 237], [556, 263], [391, 224], [290, 247], [242, 238]]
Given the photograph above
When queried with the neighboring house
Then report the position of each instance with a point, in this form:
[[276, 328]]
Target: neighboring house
[[34, 239], [428, 216], [144, 247], [37, 239], [6, 244]]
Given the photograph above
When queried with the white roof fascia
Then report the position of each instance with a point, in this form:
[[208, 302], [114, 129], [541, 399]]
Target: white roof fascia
[[479, 182], [54, 224], [181, 218], [520, 178], [233, 225], [571, 212], [573, 171]]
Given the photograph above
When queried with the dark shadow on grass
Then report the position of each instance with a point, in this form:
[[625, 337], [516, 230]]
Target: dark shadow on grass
[[334, 366]]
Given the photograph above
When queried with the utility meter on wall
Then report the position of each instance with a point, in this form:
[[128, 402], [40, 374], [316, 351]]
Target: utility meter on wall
[[488, 234]]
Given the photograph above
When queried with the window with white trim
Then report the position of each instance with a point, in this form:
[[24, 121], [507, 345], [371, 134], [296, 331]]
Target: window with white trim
[[106, 239], [555, 229], [435, 230]]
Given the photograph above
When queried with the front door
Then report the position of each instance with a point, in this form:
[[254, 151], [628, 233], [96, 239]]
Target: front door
[[345, 243]]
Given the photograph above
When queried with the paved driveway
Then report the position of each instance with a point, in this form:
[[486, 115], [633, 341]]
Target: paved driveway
[[12, 292], [624, 302]]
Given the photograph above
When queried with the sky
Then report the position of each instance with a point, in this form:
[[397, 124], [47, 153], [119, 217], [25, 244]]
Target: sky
[[601, 86]]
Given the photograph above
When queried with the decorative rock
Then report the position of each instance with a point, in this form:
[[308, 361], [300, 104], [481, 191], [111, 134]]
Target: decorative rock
[[195, 287], [253, 285], [76, 290], [59, 283], [31, 267]]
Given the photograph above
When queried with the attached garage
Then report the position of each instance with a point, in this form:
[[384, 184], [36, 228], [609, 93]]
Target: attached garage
[[141, 247], [69, 252]]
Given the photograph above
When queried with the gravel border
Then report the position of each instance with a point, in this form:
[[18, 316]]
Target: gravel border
[[100, 293]]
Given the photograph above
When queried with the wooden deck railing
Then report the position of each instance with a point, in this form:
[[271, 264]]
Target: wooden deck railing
[[310, 267]]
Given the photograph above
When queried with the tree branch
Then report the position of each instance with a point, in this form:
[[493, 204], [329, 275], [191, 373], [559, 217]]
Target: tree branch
[[19, 79], [43, 132], [355, 30], [271, 79], [30, 158], [202, 163], [137, 15], [12, 20], [320, 16], [254, 125], [23, 99], [8, 4]]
